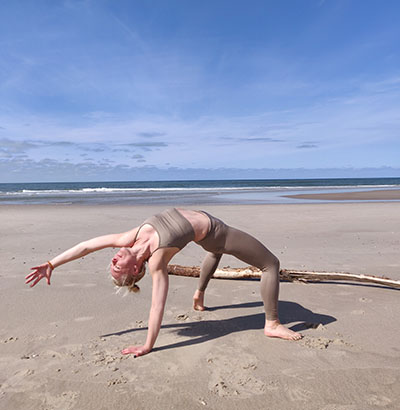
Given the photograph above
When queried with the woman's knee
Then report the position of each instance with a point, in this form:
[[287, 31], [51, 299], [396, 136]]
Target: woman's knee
[[272, 264], [212, 257], [216, 256]]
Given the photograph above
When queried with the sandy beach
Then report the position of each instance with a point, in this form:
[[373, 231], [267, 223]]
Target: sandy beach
[[60, 344]]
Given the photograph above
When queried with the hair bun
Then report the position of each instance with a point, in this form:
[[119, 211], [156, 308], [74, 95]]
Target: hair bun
[[134, 288]]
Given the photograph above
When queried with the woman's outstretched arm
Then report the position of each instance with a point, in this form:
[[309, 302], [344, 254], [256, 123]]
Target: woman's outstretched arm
[[81, 249], [158, 299]]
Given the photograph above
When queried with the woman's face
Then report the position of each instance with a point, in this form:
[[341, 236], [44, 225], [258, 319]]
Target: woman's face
[[123, 263]]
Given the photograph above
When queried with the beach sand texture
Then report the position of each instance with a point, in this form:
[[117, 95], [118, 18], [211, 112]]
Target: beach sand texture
[[60, 344]]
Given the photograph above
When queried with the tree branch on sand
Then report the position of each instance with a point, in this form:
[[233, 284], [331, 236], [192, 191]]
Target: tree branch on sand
[[286, 275]]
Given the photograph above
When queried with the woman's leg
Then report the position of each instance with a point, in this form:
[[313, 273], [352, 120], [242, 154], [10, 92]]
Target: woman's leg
[[207, 269], [251, 251], [248, 249]]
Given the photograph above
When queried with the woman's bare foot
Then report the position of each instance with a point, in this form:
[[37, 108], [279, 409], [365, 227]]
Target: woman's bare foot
[[198, 300], [273, 328]]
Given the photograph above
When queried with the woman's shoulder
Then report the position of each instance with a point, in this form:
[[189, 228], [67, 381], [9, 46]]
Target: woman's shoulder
[[160, 258], [128, 238]]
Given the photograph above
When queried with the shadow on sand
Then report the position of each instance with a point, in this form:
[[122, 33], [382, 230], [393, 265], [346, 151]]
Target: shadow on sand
[[204, 330]]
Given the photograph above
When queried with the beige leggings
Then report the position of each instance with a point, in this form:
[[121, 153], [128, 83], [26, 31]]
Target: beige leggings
[[225, 239]]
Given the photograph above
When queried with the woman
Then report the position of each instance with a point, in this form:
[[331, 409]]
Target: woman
[[156, 241]]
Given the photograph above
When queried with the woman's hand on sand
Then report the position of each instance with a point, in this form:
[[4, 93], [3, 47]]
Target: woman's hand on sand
[[41, 271], [136, 350]]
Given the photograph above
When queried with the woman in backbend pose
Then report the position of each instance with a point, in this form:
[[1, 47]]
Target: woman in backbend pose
[[156, 241]]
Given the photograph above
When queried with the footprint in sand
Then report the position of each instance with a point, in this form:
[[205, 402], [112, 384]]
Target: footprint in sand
[[357, 312], [323, 342], [234, 376], [365, 300], [182, 317], [117, 380], [316, 343]]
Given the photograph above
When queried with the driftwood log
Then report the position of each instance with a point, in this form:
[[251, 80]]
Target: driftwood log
[[285, 275]]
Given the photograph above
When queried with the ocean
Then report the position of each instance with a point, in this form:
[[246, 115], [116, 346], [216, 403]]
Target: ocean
[[257, 191]]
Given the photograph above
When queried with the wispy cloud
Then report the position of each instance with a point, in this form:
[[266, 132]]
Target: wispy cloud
[[147, 144], [307, 146], [151, 134], [259, 139]]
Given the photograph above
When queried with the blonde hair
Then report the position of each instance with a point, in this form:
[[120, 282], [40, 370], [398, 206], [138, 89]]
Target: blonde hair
[[129, 281]]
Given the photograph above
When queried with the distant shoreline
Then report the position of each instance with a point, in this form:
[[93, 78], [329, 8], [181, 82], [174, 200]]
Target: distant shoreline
[[374, 195], [199, 193]]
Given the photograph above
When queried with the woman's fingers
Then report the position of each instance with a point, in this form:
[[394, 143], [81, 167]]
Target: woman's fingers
[[136, 350], [35, 278], [132, 350], [36, 281], [42, 271], [30, 275], [129, 350]]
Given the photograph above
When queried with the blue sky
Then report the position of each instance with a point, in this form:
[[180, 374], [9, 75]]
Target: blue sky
[[120, 90]]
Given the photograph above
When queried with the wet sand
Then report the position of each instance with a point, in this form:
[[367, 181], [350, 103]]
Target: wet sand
[[60, 344], [373, 195]]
